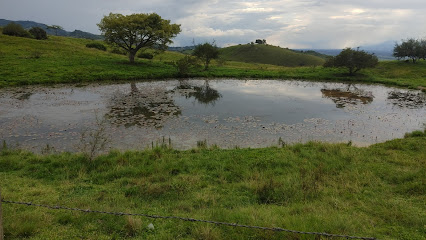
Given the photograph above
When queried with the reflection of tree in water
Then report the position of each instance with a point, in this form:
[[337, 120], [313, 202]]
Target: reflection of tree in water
[[204, 94], [408, 99], [350, 95], [23, 95], [142, 108]]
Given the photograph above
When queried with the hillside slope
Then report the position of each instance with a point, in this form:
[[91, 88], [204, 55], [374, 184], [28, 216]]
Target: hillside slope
[[268, 54], [59, 32], [25, 61]]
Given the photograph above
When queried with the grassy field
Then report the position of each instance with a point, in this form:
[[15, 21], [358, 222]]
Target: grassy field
[[378, 191], [26, 61]]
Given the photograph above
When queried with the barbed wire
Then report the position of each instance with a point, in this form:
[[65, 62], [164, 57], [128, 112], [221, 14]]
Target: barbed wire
[[276, 229]]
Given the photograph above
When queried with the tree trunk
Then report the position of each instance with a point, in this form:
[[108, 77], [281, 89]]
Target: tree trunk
[[1, 220], [132, 57], [206, 65]]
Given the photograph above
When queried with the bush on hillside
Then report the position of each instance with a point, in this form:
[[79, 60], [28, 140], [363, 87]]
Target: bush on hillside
[[38, 33], [96, 45], [14, 29], [145, 55]]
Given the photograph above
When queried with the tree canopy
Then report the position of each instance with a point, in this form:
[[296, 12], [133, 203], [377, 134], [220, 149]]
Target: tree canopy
[[55, 28], [353, 60], [206, 52], [410, 48], [38, 33], [136, 31], [14, 29]]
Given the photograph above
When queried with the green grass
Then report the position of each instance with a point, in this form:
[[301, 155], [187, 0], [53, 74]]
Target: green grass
[[268, 54], [378, 191], [60, 59], [26, 61]]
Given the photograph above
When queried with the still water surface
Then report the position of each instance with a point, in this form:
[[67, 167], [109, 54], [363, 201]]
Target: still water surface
[[228, 113]]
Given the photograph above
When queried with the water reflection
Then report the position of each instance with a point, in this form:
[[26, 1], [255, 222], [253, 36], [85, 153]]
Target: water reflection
[[23, 95], [350, 95], [142, 108], [227, 113], [407, 99], [203, 94]]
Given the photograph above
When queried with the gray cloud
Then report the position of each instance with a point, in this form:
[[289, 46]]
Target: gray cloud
[[287, 23]]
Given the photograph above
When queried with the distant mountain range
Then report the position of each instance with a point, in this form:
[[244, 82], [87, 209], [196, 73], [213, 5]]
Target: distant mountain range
[[381, 54], [384, 50], [59, 32]]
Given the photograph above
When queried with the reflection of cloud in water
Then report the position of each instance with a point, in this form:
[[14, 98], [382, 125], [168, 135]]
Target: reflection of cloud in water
[[302, 90], [407, 99], [344, 97], [142, 108]]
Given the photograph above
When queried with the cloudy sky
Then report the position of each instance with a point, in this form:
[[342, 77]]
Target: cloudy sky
[[286, 23]]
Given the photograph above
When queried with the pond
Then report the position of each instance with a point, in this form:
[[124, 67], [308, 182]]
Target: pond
[[226, 113]]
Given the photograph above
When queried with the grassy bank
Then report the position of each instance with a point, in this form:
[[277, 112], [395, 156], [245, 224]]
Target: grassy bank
[[64, 60], [377, 191]]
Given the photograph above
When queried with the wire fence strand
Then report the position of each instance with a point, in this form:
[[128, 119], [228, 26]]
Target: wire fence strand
[[276, 229]]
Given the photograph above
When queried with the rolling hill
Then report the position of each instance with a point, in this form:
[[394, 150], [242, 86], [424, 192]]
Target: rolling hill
[[59, 32], [267, 54]]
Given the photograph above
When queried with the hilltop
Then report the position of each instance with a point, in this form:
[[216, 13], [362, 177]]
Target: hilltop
[[268, 54]]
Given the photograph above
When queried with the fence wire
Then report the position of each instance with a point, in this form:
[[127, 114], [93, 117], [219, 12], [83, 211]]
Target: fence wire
[[275, 229]]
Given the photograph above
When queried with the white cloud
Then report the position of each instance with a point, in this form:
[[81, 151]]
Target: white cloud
[[210, 32], [288, 23]]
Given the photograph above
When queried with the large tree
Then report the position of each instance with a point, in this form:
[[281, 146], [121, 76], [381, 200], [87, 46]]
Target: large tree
[[206, 52], [353, 60], [411, 48], [136, 31]]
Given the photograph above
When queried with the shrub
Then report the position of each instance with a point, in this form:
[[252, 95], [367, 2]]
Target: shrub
[[96, 45], [417, 133], [353, 60], [38, 33], [206, 52], [145, 55], [185, 64], [14, 29]]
